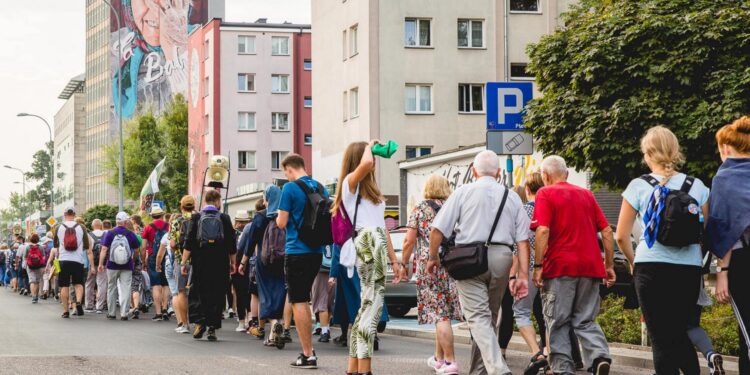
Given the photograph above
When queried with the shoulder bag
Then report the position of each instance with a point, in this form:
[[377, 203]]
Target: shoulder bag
[[470, 260]]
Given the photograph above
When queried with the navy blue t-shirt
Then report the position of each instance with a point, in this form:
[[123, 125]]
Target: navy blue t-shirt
[[293, 201]]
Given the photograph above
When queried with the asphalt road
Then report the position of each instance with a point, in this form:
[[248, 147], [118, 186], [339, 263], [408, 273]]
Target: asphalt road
[[35, 340]]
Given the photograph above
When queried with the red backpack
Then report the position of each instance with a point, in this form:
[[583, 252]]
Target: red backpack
[[70, 239], [35, 257]]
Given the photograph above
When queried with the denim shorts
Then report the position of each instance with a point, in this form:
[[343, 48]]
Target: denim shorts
[[171, 273], [156, 278]]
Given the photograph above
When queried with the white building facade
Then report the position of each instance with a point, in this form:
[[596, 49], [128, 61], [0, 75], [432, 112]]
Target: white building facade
[[69, 183], [414, 71]]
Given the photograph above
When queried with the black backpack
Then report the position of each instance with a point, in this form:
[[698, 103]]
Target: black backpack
[[679, 221], [2, 258], [97, 248], [315, 230], [210, 228]]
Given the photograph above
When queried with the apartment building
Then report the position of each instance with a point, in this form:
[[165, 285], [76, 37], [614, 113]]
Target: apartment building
[[250, 99], [414, 71], [69, 184]]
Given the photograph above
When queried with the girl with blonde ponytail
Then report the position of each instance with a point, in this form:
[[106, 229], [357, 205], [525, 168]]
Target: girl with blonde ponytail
[[668, 279]]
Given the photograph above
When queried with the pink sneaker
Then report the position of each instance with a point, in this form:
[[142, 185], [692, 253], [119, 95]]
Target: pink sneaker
[[439, 365], [449, 369]]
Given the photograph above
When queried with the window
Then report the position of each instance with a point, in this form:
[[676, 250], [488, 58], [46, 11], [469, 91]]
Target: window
[[246, 121], [279, 46], [417, 33], [344, 42], [417, 151], [344, 106], [279, 84], [207, 50], [279, 121], [246, 160], [276, 158], [246, 82], [470, 98], [518, 71], [207, 83], [470, 34], [524, 6], [308, 139], [308, 64], [418, 98], [246, 44], [308, 101], [354, 102], [353, 41]]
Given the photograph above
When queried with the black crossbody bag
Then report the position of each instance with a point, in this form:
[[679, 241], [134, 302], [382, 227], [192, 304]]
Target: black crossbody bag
[[470, 260]]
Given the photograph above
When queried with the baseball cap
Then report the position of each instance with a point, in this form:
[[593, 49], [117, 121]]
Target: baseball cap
[[122, 216], [70, 210]]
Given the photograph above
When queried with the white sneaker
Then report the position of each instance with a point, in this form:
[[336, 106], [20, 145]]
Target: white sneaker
[[432, 362], [241, 327], [178, 328], [183, 329]]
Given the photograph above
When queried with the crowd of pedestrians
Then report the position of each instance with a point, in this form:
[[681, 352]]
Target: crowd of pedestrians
[[483, 253]]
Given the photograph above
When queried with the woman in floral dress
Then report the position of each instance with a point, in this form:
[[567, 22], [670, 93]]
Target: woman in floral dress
[[437, 297]]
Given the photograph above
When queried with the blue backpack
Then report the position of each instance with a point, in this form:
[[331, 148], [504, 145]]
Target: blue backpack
[[157, 238]]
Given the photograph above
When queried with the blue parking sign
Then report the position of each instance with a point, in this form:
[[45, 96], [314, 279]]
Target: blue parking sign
[[506, 103]]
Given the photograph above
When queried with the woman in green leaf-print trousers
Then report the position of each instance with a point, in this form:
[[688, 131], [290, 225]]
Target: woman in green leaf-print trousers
[[359, 197]]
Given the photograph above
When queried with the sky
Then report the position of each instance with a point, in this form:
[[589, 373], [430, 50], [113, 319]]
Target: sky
[[44, 45]]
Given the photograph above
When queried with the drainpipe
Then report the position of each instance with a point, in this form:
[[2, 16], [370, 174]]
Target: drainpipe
[[297, 90]]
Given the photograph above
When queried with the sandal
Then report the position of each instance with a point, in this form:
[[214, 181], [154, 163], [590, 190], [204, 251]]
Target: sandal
[[269, 343], [537, 362], [65, 315]]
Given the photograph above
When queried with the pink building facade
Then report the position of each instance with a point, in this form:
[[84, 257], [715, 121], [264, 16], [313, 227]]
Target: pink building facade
[[249, 99]]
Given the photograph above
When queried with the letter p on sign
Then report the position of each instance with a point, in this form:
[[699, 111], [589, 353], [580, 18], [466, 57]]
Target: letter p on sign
[[506, 103]]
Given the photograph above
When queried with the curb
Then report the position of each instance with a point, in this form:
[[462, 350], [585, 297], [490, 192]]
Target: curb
[[622, 354]]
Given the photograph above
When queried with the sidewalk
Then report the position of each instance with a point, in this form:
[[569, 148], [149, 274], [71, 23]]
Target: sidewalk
[[622, 354]]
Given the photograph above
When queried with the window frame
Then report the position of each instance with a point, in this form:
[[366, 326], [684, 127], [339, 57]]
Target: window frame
[[306, 63], [470, 32], [273, 53], [255, 160], [344, 45], [250, 37], [418, 151], [288, 89], [417, 98], [345, 106], [538, 7], [353, 40], [280, 155], [417, 21], [518, 78], [305, 100], [274, 124], [354, 103], [246, 83], [304, 139], [250, 115], [471, 110]]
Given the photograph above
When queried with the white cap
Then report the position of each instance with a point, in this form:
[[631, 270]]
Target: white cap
[[122, 216]]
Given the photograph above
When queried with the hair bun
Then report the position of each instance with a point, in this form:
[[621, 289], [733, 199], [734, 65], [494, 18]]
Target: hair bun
[[742, 125]]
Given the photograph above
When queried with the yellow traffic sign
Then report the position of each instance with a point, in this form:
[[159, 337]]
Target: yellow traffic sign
[[51, 221]]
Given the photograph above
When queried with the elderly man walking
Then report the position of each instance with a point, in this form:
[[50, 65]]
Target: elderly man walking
[[118, 251], [469, 212], [569, 267]]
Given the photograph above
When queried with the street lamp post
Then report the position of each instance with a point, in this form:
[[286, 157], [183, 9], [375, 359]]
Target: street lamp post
[[52, 163], [119, 100], [23, 198]]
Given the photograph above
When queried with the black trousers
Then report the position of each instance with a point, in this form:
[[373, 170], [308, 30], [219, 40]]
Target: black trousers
[[667, 294], [506, 320], [739, 281], [241, 285]]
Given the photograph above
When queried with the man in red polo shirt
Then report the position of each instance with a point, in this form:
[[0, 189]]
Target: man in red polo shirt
[[569, 267], [152, 236]]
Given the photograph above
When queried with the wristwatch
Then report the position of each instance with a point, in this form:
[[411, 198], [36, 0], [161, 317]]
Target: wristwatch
[[538, 265], [720, 269], [512, 278]]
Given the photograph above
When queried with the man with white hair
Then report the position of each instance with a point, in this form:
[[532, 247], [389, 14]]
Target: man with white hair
[[96, 284], [118, 250], [469, 213], [569, 267]]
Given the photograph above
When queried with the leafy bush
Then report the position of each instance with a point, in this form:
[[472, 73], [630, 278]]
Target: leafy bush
[[619, 324], [624, 326], [101, 212]]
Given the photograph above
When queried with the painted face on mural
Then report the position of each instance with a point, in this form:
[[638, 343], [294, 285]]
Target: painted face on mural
[[146, 16]]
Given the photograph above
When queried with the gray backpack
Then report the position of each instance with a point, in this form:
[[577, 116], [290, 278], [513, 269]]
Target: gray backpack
[[120, 252], [210, 228]]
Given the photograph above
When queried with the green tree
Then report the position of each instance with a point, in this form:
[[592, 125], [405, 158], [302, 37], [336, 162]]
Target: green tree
[[39, 197], [148, 140], [101, 212], [618, 67]]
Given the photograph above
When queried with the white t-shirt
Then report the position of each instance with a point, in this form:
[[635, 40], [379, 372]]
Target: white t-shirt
[[369, 215], [67, 255], [165, 242]]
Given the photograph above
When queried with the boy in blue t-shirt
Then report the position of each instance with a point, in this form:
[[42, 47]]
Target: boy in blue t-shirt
[[302, 262]]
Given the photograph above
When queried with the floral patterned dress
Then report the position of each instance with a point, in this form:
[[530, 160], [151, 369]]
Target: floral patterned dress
[[437, 296]]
